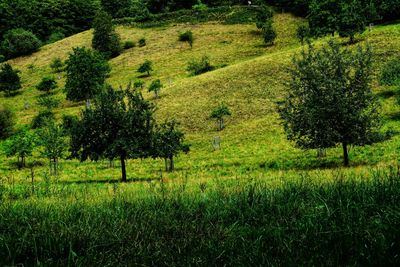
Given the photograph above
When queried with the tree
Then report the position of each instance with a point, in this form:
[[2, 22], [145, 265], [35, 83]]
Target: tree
[[155, 87], [323, 17], [53, 141], [9, 79], [21, 145], [119, 125], [105, 39], [7, 122], [329, 99], [47, 84], [117, 8], [86, 73], [187, 36], [303, 33], [138, 84], [57, 65], [264, 13], [19, 42], [351, 19], [168, 142], [146, 67], [269, 33], [219, 113]]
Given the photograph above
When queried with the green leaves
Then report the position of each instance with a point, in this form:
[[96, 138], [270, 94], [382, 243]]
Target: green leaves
[[9, 79]]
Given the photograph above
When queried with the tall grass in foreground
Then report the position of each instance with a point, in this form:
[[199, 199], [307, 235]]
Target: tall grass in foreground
[[348, 222]]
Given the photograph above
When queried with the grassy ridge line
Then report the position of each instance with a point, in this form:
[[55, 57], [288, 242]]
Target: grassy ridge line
[[337, 224]]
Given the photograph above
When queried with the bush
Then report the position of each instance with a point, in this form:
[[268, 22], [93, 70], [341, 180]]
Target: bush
[[57, 65], [10, 81], [47, 84], [390, 74], [142, 42], [200, 7], [19, 42], [48, 102], [269, 33], [42, 118], [198, 67], [186, 36], [146, 67], [7, 123], [129, 44], [54, 37]]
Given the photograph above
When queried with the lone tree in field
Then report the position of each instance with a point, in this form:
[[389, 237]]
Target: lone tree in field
[[10, 81], [138, 84], [329, 99], [187, 36], [119, 125], [21, 145], [219, 113], [47, 85], [7, 122], [146, 67], [86, 73], [54, 143], [351, 19], [269, 33], [105, 39], [168, 142], [155, 87]]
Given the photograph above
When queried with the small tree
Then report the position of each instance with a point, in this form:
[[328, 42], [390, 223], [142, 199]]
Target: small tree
[[48, 102], [219, 113], [10, 81], [155, 87], [53, 141], [146, 67], [57, 65], [168, 142], [7, 122], [142, 42], [138, 84], [105, 39], [264, 13], [86, 73], [303, 33], [19, 42], [329, 99], [197, 67], [268, 32], [187, 36], [119, 125], [21, 145], [351, 19], [47, 85]]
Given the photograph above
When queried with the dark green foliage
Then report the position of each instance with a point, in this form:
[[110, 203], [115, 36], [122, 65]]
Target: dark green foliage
[[346, 223], [268, 33], [142, 42], [155, 87], [390, 74], [351, 19], [21, 145], [119, 126], [129, 44], [219, 113], [47, 84], [57, 65], [2, 58], [197, 67], [168, 142], [53, 142], [7, 122], [264, 14], [146, 67], [42, 118], [138, 84], [303, 33], [48, 102], [69, 122], [54, 37], [19, 42], [116, 8], [86, 73], [105, 39], [186, 36], [329, 99], [200, 7], [10, 81], [323, 17]]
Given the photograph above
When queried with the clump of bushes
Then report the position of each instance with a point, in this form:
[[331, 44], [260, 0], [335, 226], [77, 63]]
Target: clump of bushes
[[47, 85], [197, 67], [10, 82], [129, 45], [186, 36], [390, 74], [19, 42], [42, 118]]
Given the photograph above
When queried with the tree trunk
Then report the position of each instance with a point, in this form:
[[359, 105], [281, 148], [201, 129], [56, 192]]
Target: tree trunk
[[123, 169], [88, 103], [166, 164], [171, 163], [345, 154]]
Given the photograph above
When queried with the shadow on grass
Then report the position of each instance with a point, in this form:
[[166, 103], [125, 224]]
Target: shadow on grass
[[394, 116], [110, 181], [387, 94]]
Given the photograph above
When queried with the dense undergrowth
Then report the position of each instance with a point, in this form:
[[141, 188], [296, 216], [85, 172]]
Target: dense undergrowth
[[350, 222]]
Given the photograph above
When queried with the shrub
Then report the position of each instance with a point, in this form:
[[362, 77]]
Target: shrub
[[142, 42], [198, 67], [55, 36], [19, 42], [155, 87], [2, 58], [47, 84], [57, 65], [42, 118], [105, 39], [9, 79], [263, 14], [219, 113], [269, 33], [200, 7], [186, 36], [129, 44], [390, 74], [7, 123], [146, 67], [48, 102], [138, 84]]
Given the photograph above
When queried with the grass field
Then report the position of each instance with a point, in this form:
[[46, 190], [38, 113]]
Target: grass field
[[250, 78]]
